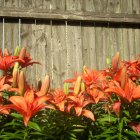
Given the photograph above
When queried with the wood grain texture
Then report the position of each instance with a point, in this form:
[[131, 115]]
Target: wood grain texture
[[59, 56], [71, 33]]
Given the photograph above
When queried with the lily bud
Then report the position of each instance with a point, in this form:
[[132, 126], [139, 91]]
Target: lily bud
[[15, 74], [21, 83], [82, 86], [17, 50], [85, 71], [22, 53], [77, 85], [124, 77], [115, 62], [45, 86], [66, 88], [6, 52]]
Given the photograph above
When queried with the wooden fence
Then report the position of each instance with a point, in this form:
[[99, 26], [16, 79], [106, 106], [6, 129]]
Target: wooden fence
[[64, 35]]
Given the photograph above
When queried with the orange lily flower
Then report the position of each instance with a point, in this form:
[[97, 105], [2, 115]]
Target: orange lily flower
[[133, 68], [7, 61], [92, 77], [129, 93], [78, 103], [58, 99], [27, 105], [96, 95], [26, 59]]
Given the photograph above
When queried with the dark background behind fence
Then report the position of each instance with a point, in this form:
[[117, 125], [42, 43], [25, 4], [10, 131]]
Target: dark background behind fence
[[64, 35]]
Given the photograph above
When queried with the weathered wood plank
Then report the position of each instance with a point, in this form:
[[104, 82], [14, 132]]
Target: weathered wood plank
[[38, 4], [131, 43], [59, 55], [98, 5], [129, 6], [46, 4], [1, 34], [74, 5], [113, 6], [11, 36], [98, 42], [88, 5], [125, 44], [89, 46], [58, 4], [40, 51], [74, 43], [120, 43], [26, 3], [104, 47], [26, 41], [137, 41], [88, 43], [124, 6], [136, 7], [68, 15]]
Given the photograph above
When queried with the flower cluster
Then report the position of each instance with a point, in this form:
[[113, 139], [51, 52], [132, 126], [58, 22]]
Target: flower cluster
[[116, 87]]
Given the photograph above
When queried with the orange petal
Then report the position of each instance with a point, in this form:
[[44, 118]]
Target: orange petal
[[29, 96], [45, 86], [40, 100], [115, 62], [88, 114], [19, 102]]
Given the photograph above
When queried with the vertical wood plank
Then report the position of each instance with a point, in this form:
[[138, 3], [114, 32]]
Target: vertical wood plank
[[74, 43], [114, 6], [104, 6], [136, 7], [89, 46], [97, 4], [38, 4], [46, 4], [0, 33], [131, 43], [137, 41], [1, 3], [88, 43], [124, 6], [26, 3], [104, 48], [125, 44], [88, 5], [15, 3], [130, 7], [99, 50], [59, 48], [11, 36], [40, 51], [58, 4], [74, 5]]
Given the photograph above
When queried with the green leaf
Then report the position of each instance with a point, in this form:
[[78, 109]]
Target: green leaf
[[121, 125], [126, 113], [34, 126], [77, 130], [16, 115], [108, 119]]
